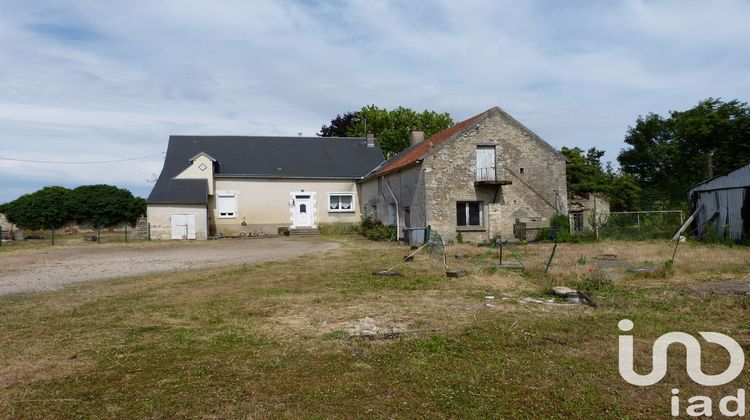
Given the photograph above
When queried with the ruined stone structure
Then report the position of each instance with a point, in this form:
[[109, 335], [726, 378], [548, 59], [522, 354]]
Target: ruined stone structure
[[476, 178], [586, 212]]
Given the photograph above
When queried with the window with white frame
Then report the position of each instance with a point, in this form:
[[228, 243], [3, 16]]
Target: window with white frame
[[340, 202], [226, 204], [469, 214]]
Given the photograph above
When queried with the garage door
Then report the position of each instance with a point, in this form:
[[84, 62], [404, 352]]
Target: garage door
[[183, 226]]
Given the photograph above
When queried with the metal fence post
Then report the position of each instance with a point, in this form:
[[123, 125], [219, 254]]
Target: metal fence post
[[148, 225], [126, 233], [53, 236], [1, 236]]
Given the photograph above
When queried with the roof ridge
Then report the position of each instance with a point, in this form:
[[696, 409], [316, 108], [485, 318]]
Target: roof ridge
[[414, 153]]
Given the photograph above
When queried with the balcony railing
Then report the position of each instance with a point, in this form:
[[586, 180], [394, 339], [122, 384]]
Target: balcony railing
[[490, 176]]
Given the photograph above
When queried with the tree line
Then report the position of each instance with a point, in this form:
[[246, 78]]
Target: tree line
[[663, 157], [99, 206]]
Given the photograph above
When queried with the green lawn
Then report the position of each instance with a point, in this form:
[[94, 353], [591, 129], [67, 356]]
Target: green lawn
[[272, 340]]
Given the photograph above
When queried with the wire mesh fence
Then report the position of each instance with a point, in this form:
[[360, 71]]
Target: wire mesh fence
[[616, 259], [36, 238], [641, 224], [436, 250]]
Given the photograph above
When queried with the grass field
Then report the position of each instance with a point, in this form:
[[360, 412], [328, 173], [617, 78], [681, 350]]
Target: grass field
[[276, 339]]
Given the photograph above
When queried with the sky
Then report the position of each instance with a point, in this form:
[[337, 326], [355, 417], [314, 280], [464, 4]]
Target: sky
[[92, 81]]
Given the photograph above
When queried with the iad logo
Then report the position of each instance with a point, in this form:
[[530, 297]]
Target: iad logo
[[702, 405]]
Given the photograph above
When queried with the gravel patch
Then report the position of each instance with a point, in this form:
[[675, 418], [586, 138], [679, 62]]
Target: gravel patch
[[56, 267]]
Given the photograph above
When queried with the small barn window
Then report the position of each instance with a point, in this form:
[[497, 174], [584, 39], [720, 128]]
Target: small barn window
[[226, 205], [340, 202], [521, 170], [469, 213]]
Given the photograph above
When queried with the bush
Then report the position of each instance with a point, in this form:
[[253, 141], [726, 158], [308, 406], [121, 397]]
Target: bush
[[375, 230], [559, 225], [51, 207]]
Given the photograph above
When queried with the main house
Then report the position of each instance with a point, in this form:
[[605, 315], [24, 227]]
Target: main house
[[253, 185], [481, 178]]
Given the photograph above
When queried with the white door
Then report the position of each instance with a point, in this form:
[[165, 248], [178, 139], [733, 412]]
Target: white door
[[183, 226], [302, 211], [485, 163]]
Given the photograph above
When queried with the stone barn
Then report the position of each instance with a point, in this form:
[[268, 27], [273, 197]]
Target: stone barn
[[477, 178]]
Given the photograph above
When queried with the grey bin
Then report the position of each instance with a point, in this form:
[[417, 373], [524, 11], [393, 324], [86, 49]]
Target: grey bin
[[416, 236]]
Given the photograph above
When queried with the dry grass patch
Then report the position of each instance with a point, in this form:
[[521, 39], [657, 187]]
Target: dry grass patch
[[273, 339]]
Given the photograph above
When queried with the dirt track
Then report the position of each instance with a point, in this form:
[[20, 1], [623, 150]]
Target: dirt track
[[52, 268]]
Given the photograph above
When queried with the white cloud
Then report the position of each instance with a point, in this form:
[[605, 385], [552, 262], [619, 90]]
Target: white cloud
[[113, 80]]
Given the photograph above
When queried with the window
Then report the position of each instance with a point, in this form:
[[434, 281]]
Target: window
[[226, 204], [521, 170], [407, 216], [469, 213], [341, 202]]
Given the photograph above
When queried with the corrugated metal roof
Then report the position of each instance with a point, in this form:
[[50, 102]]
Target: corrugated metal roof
[[737, 178]]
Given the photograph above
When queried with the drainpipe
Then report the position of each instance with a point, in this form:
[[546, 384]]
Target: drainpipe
[[398, 222]]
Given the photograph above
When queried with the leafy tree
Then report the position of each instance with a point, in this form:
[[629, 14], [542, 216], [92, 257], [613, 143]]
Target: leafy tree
[[51, 207], [666, 156], [339, 125], [48, 208], [106, 205], [585, 174], [584, 171], [391, 128]]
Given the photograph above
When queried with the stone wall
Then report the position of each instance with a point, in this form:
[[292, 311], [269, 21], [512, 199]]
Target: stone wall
[[586, 205], [5, 224], [536, 172]]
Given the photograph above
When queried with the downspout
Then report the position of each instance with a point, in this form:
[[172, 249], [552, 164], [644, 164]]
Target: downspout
[[398, 222]]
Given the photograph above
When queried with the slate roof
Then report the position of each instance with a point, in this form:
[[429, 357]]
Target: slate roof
[[179, 191], [262, 157], [419, 151]]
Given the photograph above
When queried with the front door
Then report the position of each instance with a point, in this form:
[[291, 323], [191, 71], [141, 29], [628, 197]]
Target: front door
[[183, 226], [302, 211]]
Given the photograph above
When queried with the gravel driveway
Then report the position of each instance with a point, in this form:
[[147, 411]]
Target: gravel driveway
[[52, 268]]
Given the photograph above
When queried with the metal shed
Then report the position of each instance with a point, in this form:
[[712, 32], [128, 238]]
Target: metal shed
[[724, 203]]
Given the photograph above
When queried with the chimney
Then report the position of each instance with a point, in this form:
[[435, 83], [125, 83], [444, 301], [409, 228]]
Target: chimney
[[370, 140], [415, 136]]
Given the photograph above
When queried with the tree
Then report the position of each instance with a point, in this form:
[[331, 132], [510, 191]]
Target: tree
[[666, 156], [48, 208], [106, 205], [339, 125], [391, 128], [585, 175], [52, 207]]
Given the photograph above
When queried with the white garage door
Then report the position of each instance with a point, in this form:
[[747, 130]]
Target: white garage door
[[183, 226]]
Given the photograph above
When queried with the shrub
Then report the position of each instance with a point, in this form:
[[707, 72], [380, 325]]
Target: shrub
[[375, 230], [559, 225]]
